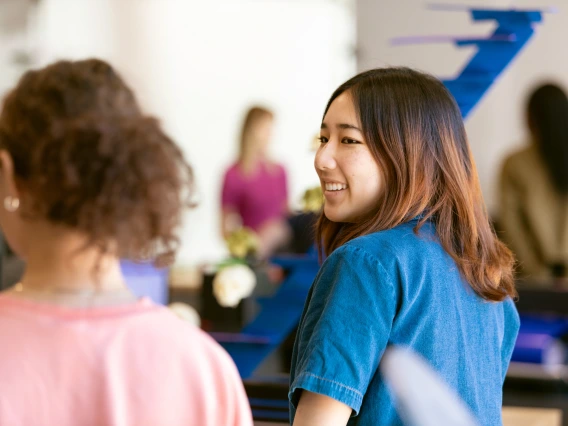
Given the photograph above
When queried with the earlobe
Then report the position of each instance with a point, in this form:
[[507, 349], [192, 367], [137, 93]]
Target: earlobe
[[11, 204], [8, 185]]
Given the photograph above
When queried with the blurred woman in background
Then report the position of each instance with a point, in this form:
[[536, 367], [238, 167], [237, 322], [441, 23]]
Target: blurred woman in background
[[86, 178], [255, 193], [534, 189]]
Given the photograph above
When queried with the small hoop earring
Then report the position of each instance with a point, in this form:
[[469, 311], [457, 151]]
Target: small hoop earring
[[11, 204]]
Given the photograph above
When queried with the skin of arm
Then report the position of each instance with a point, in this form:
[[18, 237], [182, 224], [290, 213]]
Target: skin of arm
[[315, 409]]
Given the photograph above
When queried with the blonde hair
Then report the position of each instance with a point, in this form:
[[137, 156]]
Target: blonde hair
[[255, 115]]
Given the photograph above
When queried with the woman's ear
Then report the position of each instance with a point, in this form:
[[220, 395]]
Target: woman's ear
[[8, 187]]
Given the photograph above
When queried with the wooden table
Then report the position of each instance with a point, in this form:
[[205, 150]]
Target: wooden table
[[517, 416]]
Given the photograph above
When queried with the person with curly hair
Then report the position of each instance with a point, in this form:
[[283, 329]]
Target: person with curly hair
[[86, 179]]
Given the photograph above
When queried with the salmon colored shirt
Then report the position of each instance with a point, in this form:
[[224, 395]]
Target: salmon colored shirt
[[133, 365]]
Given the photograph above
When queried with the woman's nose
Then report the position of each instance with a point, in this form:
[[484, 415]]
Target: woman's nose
[[325, 157]]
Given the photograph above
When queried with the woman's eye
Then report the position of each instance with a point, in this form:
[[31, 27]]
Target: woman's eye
[[323, 139], [349, 141]]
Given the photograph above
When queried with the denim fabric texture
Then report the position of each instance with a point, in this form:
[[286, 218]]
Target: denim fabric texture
[[395, 287]]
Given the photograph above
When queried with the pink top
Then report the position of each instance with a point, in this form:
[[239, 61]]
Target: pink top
[[132, 365], [257, 198]]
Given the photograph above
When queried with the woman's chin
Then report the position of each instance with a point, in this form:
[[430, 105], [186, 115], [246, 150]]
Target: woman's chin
[[335, 216]]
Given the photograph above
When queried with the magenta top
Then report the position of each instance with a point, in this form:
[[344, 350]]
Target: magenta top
[[258, 197]]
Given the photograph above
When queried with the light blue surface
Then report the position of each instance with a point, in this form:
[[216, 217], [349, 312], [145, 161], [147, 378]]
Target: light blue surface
[[145, 280]]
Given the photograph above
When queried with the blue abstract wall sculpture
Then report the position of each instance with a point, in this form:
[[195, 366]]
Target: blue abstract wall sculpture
[[514, 29], [494, 52]]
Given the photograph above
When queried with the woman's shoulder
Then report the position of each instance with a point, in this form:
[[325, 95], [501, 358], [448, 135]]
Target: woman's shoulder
[[372, 244], [521, 158], [233, 170], [165, 328], [393, 247], [393, 240], [274, 167], [524, 167], [280, 168], [234, 176], [372, 250]]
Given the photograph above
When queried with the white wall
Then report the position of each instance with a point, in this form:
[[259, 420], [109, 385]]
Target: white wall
[[17, 40], [199, 64], [9, 71], [496, 126]]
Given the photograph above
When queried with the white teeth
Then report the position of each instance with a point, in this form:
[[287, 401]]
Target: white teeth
[[335, 186]]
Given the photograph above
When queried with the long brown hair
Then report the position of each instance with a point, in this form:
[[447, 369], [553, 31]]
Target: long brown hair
[[254, 116], [415, 132]]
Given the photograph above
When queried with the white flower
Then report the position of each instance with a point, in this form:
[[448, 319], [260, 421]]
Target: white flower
[[232, 284], [186, 313]]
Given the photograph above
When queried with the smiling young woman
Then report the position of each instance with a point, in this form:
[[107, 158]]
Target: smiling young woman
[[411, 257]]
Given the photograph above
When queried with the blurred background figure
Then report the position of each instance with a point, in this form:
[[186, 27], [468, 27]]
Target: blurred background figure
[[255, 193], [534, 189]]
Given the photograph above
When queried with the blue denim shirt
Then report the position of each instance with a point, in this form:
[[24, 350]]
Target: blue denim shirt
[[397, 288]]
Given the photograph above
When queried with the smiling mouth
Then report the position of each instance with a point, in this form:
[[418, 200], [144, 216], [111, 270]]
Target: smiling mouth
[[335, 186]]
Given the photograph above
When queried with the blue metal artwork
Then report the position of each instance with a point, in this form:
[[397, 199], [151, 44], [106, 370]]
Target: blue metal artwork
[[494, 53]]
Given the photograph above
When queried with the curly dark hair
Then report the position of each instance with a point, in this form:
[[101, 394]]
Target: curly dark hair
[[91, 160]]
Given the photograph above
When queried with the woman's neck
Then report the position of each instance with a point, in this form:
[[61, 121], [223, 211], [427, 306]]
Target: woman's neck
[[252, 167], [58, 266]]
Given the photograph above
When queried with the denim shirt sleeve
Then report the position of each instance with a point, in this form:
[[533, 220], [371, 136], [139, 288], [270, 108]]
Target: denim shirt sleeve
[[345, 328]]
